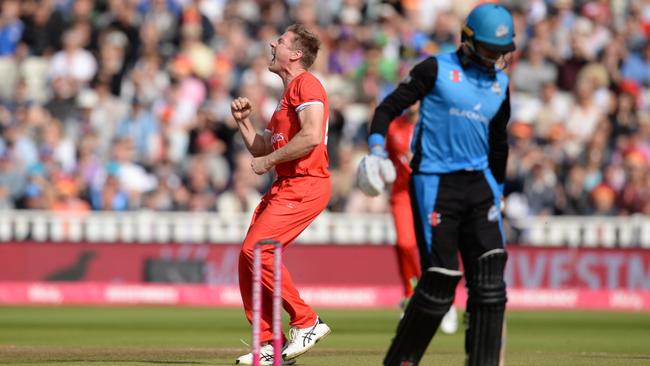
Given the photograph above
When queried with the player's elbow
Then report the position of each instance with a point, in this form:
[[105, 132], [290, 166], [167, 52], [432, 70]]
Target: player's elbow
[[313, 139]]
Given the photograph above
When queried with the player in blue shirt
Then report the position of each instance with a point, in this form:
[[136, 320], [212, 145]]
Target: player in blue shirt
[[459, 158]]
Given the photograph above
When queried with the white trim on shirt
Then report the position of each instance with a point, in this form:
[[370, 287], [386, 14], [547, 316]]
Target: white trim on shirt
[[307, 104]]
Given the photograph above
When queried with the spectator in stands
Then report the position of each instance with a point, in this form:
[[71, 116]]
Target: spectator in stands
[[580, 56], [603, 200], [12, 181], [241, 198], [583, 118], [66, 197], [635, 195], [162, 15], [38, 190], [553, 109], [11, 27], [624, 119], [63, 104], [83, 65], [110, 196], [43, 28], [106, 110], [141, 127], [533, 72], [539, 188], [74, 62], [202, 190], [573, 198], [637, 66], [54, 143]]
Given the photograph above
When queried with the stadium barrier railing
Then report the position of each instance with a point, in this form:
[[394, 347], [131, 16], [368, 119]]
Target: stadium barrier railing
[[336, 228]]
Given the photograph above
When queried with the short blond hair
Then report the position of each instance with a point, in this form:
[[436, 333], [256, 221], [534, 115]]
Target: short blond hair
[[306, 42]]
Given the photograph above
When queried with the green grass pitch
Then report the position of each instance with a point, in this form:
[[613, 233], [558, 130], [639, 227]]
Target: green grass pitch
[[127, 336]]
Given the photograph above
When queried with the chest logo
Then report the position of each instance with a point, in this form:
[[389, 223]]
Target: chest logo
[[455, 76], [277, 137]]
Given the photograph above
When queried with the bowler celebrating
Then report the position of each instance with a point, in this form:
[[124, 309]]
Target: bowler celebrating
[[294, 144]]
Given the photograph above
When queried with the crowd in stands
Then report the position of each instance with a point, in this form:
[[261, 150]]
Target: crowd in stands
[[125, 104]]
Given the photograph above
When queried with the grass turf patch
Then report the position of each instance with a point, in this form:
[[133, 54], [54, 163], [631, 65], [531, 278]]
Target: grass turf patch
[[128, 336]]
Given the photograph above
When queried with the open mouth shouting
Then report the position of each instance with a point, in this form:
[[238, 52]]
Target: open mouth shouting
[[272, 54]]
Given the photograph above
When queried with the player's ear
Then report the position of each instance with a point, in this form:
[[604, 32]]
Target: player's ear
[[296, 55]]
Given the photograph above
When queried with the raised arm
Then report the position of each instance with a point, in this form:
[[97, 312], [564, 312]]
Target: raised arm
[[257, 145]]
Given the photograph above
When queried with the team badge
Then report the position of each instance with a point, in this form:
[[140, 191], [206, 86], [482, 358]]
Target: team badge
[[435, 218], [502, 31], [455, 75]]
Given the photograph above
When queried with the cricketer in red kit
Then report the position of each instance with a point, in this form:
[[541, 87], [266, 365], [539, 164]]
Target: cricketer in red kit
[[294, 143], [398, 147]]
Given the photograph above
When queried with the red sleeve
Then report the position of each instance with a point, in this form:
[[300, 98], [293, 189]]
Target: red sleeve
[[307, 89]]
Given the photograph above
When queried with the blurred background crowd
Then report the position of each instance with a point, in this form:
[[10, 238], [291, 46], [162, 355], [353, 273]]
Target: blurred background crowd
[[125, 104]]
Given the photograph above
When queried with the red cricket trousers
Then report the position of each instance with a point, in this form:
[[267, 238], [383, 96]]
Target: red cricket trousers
[[284, 212], [406, 245]]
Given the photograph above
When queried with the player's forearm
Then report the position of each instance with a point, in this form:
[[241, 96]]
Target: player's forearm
[[255, 143], [303, 143]]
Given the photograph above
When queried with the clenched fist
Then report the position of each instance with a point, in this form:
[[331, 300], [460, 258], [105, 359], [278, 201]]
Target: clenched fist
[[240, 108], [261, 165]]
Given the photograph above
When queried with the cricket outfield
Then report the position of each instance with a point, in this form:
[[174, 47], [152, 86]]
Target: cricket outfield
[[129, 336]]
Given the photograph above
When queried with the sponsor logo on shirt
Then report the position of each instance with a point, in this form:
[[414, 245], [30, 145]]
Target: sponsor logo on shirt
[[277, 137], [473, 115]]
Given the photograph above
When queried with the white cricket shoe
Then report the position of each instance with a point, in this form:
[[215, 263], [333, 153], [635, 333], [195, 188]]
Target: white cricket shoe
[[302, 339], [449, 323], [266, 357]]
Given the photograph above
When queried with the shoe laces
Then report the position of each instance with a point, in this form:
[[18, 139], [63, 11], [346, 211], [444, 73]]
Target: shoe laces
[[293, 333], [261, 346]]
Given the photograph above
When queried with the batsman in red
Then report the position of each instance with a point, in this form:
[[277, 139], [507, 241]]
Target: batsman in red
[[294, 143]]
